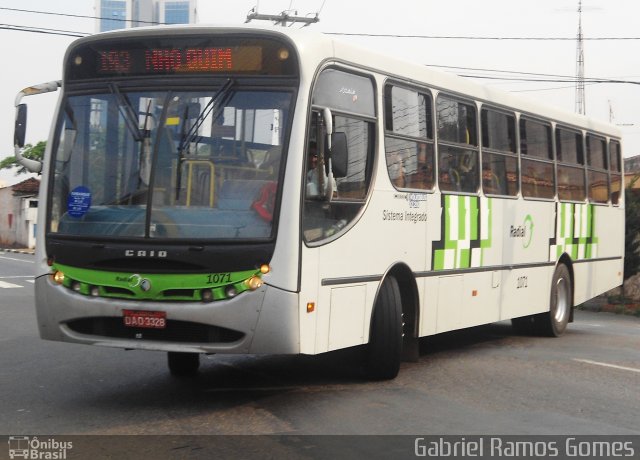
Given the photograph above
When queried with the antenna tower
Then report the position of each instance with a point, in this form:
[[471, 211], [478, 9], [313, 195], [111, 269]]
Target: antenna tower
[[580, 100]]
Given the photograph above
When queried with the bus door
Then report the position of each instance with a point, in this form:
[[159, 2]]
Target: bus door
[[337, 178]]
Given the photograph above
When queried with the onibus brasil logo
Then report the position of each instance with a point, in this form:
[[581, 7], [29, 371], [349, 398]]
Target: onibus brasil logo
[[524, 231], [34, 448]]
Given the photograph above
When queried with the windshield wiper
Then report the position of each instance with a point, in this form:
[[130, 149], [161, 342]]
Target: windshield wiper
[[127, 112], [213, 107]]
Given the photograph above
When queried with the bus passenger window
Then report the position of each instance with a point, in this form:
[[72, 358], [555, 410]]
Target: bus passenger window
[[536, 150], [570, 158], [615, 171], [410, 164], [499, 174], [597, 177], [499, 159], [409, 138], [458, 169]]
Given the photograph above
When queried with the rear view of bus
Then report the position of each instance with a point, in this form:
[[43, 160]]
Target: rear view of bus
[[164, 186]]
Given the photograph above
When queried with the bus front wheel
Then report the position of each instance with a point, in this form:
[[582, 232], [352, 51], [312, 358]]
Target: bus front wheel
[[554, 323], [183, 364], [384, 350]]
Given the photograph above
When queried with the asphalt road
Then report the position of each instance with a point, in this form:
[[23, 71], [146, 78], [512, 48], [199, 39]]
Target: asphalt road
[[484, 380]]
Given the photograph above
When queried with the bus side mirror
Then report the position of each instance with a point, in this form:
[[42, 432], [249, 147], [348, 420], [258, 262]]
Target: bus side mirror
[[328, 125], [20, 129], [339, 154]]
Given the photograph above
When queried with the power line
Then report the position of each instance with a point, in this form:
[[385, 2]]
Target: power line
[[80, 16], [42, 30], [555, 78], [476, 69], [472, 37], [568, 80], [436, 37]]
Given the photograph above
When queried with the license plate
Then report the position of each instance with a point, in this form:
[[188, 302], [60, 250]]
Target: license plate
[[145, 319]]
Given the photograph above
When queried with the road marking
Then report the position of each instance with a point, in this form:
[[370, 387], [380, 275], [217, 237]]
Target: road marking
[[18, 260], [614, 366], [5, 285]]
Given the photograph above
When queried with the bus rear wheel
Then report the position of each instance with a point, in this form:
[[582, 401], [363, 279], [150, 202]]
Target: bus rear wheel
[[183, 364], [554, 323], [384, 350]]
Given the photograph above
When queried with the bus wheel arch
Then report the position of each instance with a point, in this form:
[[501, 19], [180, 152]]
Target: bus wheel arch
[[393, 332], [410, 299], [553, 322]]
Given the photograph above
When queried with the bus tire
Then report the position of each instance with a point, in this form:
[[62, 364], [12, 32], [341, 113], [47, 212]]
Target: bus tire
[[554, 322], [183, 364], [384, 351]]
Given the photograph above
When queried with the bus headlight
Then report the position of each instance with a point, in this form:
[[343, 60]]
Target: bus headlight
[[58, 277], [253, 283]]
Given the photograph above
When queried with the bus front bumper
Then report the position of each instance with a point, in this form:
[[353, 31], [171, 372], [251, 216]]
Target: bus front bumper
[[264, 321]]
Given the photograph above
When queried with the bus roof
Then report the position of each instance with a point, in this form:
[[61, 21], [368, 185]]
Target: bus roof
[[315, 48]]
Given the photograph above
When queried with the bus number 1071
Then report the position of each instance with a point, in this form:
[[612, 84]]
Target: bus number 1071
[[219, 278]]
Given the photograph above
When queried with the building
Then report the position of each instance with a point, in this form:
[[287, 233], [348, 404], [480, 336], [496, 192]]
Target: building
[[632, 171], [19, 214], [121, 14], [176, 12]]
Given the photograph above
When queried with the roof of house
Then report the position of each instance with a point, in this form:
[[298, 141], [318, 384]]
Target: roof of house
[[31, 185]]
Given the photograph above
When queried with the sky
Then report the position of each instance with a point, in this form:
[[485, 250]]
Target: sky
[[31, 58]]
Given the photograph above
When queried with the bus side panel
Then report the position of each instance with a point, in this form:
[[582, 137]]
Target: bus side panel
[[347, 317], [382, 237], [527, 232], [309, 307], [595, 278], [467, 300], [464, 236], [525, 292]]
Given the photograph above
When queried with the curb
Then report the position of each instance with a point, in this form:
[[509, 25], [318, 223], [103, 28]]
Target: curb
[[18, 251]]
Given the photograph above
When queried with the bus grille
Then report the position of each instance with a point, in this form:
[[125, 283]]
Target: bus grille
[[175, 331]]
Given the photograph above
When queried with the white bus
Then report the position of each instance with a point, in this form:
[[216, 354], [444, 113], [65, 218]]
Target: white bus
[[262, 191]]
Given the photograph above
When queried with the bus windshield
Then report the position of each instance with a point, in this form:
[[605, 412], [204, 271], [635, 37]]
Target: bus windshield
[[179, 164]]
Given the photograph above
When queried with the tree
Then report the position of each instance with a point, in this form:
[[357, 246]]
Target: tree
[[33, 152]]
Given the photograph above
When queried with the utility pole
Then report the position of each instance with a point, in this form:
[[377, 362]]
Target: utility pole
[[580, 100], [283, 18]]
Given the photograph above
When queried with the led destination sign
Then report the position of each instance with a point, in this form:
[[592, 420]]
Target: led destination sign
[[170, 60], [180, 56]]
